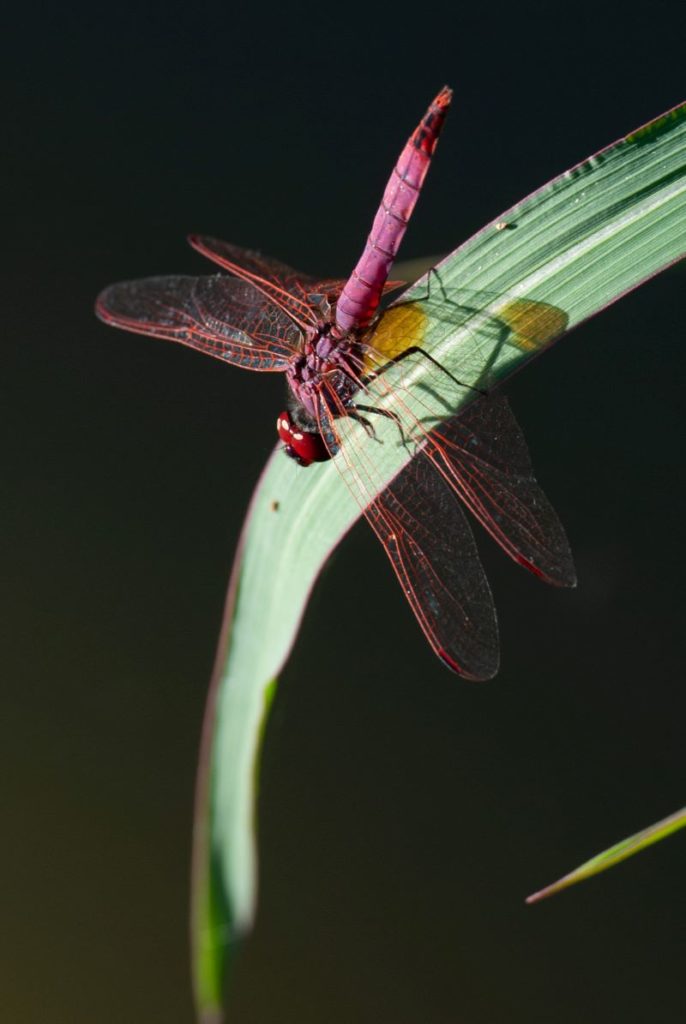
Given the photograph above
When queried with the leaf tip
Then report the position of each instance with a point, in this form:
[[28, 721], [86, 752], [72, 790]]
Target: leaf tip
[[211, 1015], [536, 897]]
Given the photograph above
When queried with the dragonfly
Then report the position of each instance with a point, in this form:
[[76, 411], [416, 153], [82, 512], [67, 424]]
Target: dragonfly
[[340, 358]]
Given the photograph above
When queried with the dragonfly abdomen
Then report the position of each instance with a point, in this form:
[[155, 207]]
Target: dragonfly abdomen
[[361, 295]]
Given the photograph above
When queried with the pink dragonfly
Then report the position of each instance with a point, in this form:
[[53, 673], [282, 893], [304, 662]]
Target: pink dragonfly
[[324, 335]]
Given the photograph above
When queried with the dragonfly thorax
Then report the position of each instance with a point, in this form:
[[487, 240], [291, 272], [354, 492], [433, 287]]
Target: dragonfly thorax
[[321, 377], [321, 384]]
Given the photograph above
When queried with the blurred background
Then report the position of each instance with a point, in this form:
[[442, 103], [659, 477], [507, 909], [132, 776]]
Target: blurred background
[[404, 813]]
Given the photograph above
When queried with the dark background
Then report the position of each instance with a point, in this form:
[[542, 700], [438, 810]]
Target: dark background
[[404, 813]]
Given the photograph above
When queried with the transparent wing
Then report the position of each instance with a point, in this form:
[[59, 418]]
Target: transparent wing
[[430, 545], [286, 287], [424, 532], [481, 451], [479, 458], [221, 316], [483, 455], [254, 263], [292, 290]]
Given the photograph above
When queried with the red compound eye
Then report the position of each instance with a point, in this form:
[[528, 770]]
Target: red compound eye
[[301, 445]]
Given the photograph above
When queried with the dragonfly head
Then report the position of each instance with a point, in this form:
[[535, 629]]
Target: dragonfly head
[[304, 446]]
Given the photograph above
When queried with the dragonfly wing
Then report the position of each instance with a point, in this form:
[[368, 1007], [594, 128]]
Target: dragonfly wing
[[221, 316], [482, 452], [420, 522], [290, 288], [232, 256], [429, 542]]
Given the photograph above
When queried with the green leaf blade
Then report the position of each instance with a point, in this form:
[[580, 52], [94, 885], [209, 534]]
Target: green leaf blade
[[614, 855], [572, 248]]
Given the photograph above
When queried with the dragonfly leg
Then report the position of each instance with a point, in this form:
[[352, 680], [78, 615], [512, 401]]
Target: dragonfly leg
[[505, 332], [368, 427], [433, 272], [417, 350], [380, 412]]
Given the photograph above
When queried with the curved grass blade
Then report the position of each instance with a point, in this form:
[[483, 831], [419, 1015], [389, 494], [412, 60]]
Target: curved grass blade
[[569, 250], [614, 855]]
